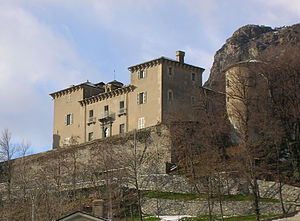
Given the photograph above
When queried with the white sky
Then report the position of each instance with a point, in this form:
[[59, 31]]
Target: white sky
[[47, 45]]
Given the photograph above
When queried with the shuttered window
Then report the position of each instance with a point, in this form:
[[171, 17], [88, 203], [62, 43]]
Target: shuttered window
[[142, 74], [68, 119], [142, 98], [141, 123]]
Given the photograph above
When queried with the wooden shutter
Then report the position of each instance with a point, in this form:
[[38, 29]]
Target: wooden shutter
[[138, 98], [71, 118], [144, 97], [65, 120]]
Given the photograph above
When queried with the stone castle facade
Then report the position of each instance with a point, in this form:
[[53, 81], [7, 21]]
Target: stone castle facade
[[158, 89]]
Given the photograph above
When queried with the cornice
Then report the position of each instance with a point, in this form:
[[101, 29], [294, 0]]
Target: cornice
[[146, 64], [66, 91], [106, 95], [160, 61]]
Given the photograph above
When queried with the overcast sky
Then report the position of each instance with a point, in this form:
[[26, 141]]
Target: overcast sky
[[47, 45]]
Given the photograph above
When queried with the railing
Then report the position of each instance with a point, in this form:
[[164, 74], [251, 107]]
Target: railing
[[122, 111], [92, 120], [106, 115]]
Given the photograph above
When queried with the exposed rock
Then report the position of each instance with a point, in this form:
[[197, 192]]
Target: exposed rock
[[247, 43]]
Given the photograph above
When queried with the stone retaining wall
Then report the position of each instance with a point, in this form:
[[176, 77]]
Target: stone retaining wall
[[177, 183], [182, 207]]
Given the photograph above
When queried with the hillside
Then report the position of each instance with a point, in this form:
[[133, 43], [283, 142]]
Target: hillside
[[249, 42]]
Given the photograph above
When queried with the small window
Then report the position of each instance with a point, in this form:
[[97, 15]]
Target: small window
[[228, 99], [170, 70], [91, 113], [141, 123], [122, 109], [122, 128], [142, 74], [193, 77], [192, 100], [91, 118], [106, 110], [170, 95], [91, 136], [121, 104], [68, 119], [142, 98]]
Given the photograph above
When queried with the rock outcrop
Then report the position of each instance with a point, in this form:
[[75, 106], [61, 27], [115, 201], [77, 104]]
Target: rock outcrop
[[248, 42]]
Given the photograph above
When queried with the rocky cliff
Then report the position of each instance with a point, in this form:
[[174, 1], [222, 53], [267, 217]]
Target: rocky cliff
[[248, 42]]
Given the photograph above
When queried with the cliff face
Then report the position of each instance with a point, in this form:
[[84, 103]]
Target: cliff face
[[248, 42]]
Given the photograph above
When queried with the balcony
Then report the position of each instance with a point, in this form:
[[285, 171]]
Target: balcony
[[106, 116], [122, 111], [91, 120]]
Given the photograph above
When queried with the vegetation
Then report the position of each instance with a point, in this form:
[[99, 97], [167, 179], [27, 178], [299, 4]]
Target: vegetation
[[233, 218], [194, 196]]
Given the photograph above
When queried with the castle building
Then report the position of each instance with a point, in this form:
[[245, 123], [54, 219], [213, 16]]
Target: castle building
[[159, 89]]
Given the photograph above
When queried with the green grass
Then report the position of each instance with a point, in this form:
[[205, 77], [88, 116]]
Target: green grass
[[202, 197], [234, 218], [171, 195], [151, 218]]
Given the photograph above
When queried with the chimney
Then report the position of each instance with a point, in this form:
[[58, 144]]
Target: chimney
[[180, 56], [98, 208]]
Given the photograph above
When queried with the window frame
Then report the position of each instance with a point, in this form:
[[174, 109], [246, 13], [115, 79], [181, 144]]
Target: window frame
[[91, 136], [193, 101], [122, 128], [170, 71], [68, 119], [142, 98], [193, 76], [142, 74], [141, 123]]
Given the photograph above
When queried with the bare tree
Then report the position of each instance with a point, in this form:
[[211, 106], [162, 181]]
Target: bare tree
[[242, 107], [7, 152], [281, 73]]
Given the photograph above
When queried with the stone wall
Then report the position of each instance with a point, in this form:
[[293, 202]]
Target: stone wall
[[194, 208], [86, 165], [179, 184]]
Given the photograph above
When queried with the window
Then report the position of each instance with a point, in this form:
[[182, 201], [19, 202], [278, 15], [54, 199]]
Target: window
[[91, 113], [192, 100], [91, 117], [68, 119], [91, 135], [228, 99], [170, 95], [141, 74], [170, 70], [142, 98], [121, 104], [106, 110], [122, 128], [193, 77], [122, 110], [141, 123]]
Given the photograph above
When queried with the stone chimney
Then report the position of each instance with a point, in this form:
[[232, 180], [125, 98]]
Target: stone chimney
[[180, 56], [98, 208]]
